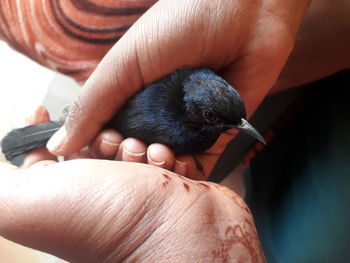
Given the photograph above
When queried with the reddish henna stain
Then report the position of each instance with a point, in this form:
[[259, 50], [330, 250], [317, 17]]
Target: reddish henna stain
[[167, 177], [256, 236], [205, 186], [187, 187], [235, 235], [235, 198], [167, 180], [249, 222], [241, 204]]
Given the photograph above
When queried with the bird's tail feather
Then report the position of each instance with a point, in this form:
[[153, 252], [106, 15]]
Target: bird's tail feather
[[22, 140]]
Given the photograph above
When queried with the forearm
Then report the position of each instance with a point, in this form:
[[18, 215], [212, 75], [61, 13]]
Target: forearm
[[322, 45]]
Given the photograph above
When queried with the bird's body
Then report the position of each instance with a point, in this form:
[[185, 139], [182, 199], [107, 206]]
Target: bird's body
[[187, 111], [158, 114]]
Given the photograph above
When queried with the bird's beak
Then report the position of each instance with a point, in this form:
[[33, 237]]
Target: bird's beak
[[249, 129]]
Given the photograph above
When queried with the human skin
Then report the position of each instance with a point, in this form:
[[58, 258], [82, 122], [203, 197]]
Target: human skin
[[26, 219], [321, 49], [87, 210], [247, 42]]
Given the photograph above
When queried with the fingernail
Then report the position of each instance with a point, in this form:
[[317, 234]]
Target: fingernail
[[151, 161], [180, 167], [55, 144], [108, 148], [104, 141], [133, 154]]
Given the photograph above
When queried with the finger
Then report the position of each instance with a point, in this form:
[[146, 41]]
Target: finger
[[37, 156], [180, 166], [209, 158], [189, 167], [132, 150], [39, 115], [84, 153], [222, 141], [161, 156], [106, 144]]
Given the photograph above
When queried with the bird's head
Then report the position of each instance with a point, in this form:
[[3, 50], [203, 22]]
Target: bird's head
[[212, 103]]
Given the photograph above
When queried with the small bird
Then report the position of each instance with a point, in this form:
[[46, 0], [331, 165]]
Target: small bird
[[186, 110]]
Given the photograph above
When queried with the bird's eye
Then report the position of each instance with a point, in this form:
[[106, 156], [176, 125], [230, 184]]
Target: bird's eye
[[210, 116]]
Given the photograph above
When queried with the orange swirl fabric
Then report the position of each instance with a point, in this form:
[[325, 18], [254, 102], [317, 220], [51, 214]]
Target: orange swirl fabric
[[69, 36]]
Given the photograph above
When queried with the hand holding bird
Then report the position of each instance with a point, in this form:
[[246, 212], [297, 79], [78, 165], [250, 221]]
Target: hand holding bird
[[241, 40], [187, 111], [245, 42]]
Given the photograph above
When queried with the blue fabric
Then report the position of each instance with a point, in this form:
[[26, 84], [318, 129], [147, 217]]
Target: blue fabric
[[299, 187]]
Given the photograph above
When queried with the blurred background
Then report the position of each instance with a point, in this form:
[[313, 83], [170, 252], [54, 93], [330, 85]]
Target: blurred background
[[25, 84]]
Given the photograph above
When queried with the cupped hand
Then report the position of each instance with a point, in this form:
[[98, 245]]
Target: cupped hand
[[109, 144], [87, 210], [247, 42]]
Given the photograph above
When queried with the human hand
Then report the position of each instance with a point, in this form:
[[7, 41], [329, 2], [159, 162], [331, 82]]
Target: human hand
[[246, 41], [105, 211]]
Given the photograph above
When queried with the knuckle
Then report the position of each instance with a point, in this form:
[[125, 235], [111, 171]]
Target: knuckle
[[74, 115], [75, 111]]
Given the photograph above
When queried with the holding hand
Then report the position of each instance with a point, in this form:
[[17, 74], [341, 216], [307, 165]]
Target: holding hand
[[247, 41]]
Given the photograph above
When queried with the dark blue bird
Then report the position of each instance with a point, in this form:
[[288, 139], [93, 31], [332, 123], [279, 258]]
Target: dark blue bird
[[186, 110]]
